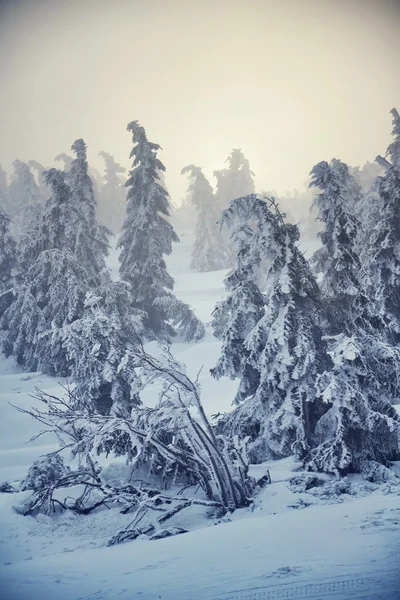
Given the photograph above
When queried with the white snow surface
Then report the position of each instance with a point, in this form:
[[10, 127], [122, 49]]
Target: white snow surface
[[288, 545]]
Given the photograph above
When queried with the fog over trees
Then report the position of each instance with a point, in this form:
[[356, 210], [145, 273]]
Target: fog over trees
[[213, 287]]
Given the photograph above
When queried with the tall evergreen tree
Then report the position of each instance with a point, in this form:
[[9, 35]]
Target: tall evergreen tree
[[236, 315], [101, 348], [92, 244], [208, 253], [354, 195], [359, 425], [50, 294], [286, 347], [147, 237], [339, 262], [382, 238], [40, 170], [7, 261], [4, 196], [112, 196], [366, 175], [236, 181], [24, 199], [360, 428], [282, 350], [93, 173]]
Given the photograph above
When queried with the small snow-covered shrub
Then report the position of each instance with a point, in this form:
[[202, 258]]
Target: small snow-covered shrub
[[6, 488], [44, 471], [246, 422], [303, 483], [334, 488], [328, 490], [376, 473]]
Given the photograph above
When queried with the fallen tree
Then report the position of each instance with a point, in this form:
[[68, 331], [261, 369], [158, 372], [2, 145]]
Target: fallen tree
[[175, 440]]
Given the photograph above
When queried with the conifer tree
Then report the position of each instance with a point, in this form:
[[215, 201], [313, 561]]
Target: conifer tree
[[40, 170], [101, 348], [354, 196], [4, 196], [359, 424], [360, 427], [283, 347], [147, 237], [112, 196], [7, 261], [91, 238], [208, 253], [382, 237], [236, 316], [286, 347], [236, 181], [366, 175], [340, 264], [24, 199], [50, 294]]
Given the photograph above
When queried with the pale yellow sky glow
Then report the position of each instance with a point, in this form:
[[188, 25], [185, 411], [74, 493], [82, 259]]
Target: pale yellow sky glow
[[291, 82]]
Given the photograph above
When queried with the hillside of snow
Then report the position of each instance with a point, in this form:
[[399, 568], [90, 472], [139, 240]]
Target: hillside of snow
[[329, 541]]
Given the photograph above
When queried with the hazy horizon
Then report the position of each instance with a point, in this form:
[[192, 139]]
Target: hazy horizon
[[291, 83]]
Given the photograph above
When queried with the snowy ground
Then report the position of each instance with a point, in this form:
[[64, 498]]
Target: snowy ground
[[324, 543]]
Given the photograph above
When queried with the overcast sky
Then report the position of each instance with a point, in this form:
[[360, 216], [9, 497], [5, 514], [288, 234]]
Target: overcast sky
[[291, 82]]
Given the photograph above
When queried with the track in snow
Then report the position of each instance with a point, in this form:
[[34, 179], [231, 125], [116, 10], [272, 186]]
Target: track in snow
[[357, 588]]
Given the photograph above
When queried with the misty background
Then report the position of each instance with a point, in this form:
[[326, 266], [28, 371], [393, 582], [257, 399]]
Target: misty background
[[289, 82]]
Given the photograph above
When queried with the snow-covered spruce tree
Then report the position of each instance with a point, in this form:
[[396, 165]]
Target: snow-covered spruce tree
[[4, 196], [382, 238], [40, 170], [351, 273], [51, 293], [360, 427], [342, 282], [208, 253], [366, 175], [101, 349], [112, 195], [354, 195], [92, 172], [25, 203], [31, 239], [283, 347], [8, 254], [360, 424], [91, 238], [236, 316], [236, 181], [146, 238]]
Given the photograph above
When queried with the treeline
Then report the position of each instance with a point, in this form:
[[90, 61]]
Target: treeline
[[315, 344], [60, 311]]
